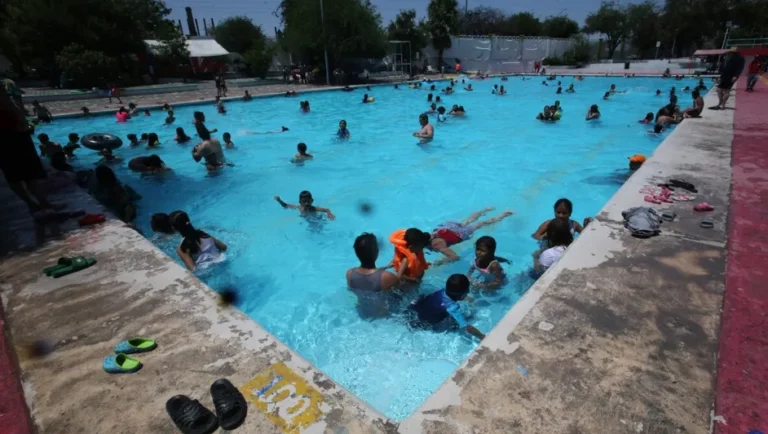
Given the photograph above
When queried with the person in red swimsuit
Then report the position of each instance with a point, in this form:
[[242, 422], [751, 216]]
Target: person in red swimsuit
[[452, 233]]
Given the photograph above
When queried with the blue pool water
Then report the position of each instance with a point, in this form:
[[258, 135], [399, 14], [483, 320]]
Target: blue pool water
[[290, 276]]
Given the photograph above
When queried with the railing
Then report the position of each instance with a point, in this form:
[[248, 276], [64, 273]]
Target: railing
[[747, 42]]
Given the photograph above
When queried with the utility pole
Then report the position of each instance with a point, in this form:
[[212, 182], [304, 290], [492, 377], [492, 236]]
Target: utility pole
[[325, 47], [466, 6]]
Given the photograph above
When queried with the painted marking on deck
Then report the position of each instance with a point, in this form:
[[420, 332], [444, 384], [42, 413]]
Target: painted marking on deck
[[286, 398]]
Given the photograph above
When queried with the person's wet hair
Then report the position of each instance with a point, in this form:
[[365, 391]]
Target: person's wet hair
[[302, 148], [441, 110], [695, 93], [566, 203], [152, 139], [192, 236], [180, 132], [658, 128], [144, 136], [305, 195], [559, 233], [593, 109], [367, 249], [105, 175], [429, 97], [415, 237], [423, 117], [132, 137], [155, 161], [489, 243], [161, 222], [73, 137], [457, 287], [43, 137], [198, 116], [649, 116], [226, 136]]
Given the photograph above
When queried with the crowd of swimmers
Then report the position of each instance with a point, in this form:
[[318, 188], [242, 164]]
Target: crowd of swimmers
[[380, 291]]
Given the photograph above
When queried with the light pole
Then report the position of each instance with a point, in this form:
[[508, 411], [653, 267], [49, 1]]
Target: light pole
[[325, 48]]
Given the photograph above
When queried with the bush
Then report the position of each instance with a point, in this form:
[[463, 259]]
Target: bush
[[86, 68], [259, 59], [552, 61]]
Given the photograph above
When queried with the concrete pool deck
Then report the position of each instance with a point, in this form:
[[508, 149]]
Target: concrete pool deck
[[620, 336]]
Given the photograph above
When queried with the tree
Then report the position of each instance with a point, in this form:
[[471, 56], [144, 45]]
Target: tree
[[443, 22], [643, 28], [86, 67], [238, 34], [352, 29], [611, 21], [405, 28], [523, 24], [482, 21], [559, 27]]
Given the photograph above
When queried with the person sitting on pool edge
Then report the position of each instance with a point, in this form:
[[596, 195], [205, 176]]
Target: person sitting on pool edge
[[181, 136], [86, 112], [369, 283], [43, 114], [302, 154], [343, 132], [305, 206], [197, 247], [451, 233], [431, 311], [427, 131], [147, 164], [228, 143], [593, 113], [409, 261], [694, 111]]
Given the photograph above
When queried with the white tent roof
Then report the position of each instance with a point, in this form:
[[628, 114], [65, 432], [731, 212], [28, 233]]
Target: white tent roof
[[197, 47]]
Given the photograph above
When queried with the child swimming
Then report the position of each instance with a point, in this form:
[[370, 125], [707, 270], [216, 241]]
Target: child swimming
[[486, 267], [152, 141], [305, 206], [431, 311], [409, 261], [133, 141], [648, 118], [181, 136], [228, 140], [560, 237], [304, 106], [563, 211], [302, 154], [343, 132], [197, 248], [451, 233], [441, 114]]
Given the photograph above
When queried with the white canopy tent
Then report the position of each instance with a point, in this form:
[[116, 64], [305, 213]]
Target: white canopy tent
[[198, 47]]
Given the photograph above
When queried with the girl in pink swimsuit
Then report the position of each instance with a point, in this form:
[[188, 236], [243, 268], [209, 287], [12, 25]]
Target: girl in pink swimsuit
[[486, 271]]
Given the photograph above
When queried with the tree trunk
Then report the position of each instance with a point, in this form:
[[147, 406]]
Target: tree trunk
[[439, 59], [612, 46]]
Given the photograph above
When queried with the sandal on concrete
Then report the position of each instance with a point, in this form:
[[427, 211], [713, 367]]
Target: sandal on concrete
[[190, 416], [230, 404]]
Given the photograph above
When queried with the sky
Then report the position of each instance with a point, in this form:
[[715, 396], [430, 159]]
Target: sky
[[262, 11]]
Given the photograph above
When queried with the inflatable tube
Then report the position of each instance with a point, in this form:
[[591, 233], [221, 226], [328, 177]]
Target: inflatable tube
[[99, 141]]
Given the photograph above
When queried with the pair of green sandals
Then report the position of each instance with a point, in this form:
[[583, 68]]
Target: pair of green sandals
[[120, 362], [67, 265]]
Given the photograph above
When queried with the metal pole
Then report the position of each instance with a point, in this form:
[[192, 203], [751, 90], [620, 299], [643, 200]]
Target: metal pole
[[325, 48], [466, 6]]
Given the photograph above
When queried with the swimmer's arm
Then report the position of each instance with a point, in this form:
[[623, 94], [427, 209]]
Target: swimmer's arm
[[577, 227], [498, 274], [219, 244], [539, 234], [474, 332], [450, 256], [186, 258], [327, 212], [285, 205], [401, 271], [389, 281]]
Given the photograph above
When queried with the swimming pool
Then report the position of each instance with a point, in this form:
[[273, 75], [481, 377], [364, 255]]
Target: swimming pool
[[290, 276]]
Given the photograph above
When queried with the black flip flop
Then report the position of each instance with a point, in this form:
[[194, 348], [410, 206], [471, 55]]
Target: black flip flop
[[715, 107], [684, 185], [230, 404], [190, 416]]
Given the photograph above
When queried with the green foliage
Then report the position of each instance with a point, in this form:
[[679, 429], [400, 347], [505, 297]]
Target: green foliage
[[577, 54], [483, 20], [86, 67], [443, 21], [559, 27], [352, 29], [643, 28], [405, 28], [523, 24], [36, 31], [610, 20], [259, 58], [238, 34]]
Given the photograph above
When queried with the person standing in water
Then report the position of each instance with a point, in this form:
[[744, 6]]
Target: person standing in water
[[427, 132], [369, 283]]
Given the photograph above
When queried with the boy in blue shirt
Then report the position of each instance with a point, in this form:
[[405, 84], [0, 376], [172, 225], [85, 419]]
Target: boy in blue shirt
[[433, 309]]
